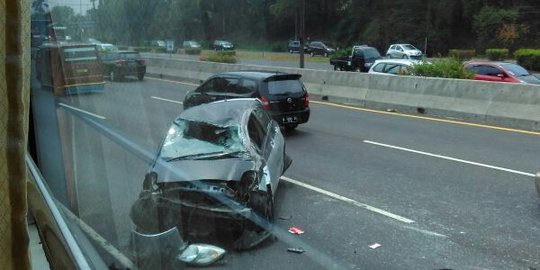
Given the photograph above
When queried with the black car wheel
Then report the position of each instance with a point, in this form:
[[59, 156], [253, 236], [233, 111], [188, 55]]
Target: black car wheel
[[140, 76], [291, 127], [290, 51], [404, 56], [325, 54]]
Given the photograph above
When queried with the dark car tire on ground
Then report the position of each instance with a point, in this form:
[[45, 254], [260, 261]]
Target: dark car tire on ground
[[325, 54], [140, 76], [291, 127], [404, 56]]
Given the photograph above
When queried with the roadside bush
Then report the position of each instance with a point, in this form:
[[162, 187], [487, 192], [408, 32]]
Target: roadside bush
[[342, 52], [497, 54], [159, 50], [528, 58], [462, 55], [444, 68], [192, 51], [278, 48], [226, 53], [219, 58], [142, 49]]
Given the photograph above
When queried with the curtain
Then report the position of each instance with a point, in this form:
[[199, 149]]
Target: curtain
[[14, 111]]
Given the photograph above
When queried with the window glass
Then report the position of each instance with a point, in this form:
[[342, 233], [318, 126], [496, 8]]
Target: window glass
[[392, 68], [256, 131], [379, 67], [284, 87]]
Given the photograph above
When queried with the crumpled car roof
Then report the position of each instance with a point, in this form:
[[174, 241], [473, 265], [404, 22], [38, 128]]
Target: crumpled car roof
[[220, 113]]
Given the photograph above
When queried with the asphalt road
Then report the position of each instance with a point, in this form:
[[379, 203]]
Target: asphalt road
[[433, 194]]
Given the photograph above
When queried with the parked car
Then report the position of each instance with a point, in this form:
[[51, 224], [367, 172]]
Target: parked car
[[283, 95], [294, 47], [360, 60], [222, 45], [93, 41], [106, 47], [191, 44], [220, 161], [320, 48], [404, 51], [159, 44], [119, 64], [501, 72], [392, 66]]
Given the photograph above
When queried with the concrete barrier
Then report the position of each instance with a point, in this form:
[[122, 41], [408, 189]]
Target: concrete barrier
[[509, 105]]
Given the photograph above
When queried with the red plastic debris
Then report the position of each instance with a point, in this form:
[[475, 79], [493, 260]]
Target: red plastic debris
[[296, 230]]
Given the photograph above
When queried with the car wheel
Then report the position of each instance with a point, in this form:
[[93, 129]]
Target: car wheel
[[358, 69], [290, 128], [325, 54], [112, 76], [388, 56], [263, 204], [312, 54], [140, 76], [291, 51], [404, 56], [336, 68]]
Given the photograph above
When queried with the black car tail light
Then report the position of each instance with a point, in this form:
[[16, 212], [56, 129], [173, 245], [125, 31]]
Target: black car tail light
[[306, 100]]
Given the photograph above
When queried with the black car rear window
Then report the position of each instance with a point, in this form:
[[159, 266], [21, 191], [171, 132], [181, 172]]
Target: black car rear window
[[133, 55], [279, 87], [371, 53]]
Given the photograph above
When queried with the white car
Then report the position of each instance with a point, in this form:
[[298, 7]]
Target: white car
[[392, 66], [403, 51], [106, 47]]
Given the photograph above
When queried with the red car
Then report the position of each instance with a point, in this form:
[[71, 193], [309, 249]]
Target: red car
[[501, 72]]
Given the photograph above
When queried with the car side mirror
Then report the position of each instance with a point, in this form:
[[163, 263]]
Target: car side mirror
[[149, 180]]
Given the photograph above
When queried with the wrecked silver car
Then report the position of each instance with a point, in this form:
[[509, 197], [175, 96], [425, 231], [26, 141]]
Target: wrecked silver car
[[218, 169]]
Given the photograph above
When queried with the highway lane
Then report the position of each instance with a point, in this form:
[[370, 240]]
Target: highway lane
[[464, 215]]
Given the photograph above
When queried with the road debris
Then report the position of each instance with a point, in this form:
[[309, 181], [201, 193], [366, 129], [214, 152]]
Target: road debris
[[296, 230], [375, 245]]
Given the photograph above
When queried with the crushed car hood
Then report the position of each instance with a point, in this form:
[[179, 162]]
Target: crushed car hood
[[230, 169]]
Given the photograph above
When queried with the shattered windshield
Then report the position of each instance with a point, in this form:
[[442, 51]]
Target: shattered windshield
[[188, 138]]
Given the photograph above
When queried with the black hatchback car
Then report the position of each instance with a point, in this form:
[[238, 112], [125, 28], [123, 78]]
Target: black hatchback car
[[118, 64], [283, 95], [320, 48]]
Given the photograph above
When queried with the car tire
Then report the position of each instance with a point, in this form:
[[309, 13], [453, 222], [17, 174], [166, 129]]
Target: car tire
[[291, 51], [325, 54], [290, 128], [112, 76], [404, 57], [312, 54], [388, 56], [140, 76], [336, 68]]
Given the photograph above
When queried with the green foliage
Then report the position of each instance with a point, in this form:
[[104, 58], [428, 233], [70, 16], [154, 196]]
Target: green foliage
[[488, 22], [226, 53], [142, 49], [528, 58], [497, 54], [342, 52], [192, 51], [445, 68], [462, 55], [277, 47], [219, 58]]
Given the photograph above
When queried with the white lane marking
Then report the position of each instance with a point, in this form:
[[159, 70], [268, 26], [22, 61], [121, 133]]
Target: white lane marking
[[351, 201], [425, 232], [165, 99], [450, 158], [171, 81], [83, 111]]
